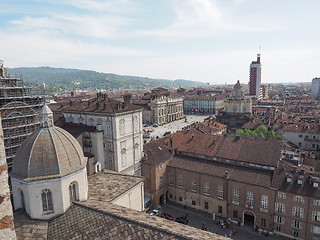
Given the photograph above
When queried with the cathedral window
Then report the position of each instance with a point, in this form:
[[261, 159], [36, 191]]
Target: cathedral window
[[73, 193], [47, 205]]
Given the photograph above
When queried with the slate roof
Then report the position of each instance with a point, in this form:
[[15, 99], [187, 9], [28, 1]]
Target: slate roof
[[101, 220], [108, 185], [152, 226], [48, 153], [76, 129], [29, 229]]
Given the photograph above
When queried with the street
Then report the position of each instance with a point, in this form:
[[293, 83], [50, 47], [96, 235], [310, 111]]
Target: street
[[199, 219]]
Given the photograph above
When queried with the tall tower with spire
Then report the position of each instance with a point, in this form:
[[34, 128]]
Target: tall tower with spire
[[255, 78]]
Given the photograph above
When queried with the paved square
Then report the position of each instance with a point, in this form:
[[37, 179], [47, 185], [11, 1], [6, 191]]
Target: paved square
[[197, 219]]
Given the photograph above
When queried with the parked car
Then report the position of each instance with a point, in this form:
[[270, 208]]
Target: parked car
[[167, 133], [166, 216], [155, 212], [183, 220], [155, 125]]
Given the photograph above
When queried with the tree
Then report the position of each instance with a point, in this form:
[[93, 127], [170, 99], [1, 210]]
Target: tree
[[261, 131], [239, 132]]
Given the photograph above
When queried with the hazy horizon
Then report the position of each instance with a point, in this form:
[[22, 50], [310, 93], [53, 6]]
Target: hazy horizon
[[199, 40]]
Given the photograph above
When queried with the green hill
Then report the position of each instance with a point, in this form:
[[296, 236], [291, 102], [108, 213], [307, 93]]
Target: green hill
[[74, 78]]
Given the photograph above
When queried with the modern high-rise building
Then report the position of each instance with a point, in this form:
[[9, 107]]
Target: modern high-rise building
[[255, 79], [19, 110], [315, 88]]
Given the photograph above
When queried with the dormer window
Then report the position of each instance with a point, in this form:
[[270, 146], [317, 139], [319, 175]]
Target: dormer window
[[289, 179], [300, 182], [315, 185]]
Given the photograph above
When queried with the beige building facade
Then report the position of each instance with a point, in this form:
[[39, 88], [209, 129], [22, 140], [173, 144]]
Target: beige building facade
[[117, 141], [166, 109]]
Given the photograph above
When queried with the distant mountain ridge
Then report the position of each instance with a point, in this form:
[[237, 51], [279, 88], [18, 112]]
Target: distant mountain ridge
[[75, 78]]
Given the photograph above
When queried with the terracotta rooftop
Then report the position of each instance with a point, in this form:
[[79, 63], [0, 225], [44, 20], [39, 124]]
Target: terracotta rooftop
[[251, 150], [108, 185], [196, 143], [252, 124], [239, 149], [101, 104], [285, 168], [303, 127], [214, 124]]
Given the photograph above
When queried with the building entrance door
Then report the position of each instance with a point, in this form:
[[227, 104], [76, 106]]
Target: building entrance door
[[248, 219]]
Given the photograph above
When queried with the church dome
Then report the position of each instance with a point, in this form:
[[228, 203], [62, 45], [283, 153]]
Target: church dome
[[49, 152]]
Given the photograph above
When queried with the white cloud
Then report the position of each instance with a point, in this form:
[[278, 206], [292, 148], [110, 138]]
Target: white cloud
[[94, 26], [114, 6], [206, 18], [36, 49]]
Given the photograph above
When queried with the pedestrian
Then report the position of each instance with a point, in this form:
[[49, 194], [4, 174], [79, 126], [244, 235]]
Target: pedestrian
[[230, 234]]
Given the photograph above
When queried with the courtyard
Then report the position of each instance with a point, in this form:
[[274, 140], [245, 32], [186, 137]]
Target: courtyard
[[172, 127]]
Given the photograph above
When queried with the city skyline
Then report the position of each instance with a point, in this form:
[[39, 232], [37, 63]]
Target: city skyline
[[200, 40]]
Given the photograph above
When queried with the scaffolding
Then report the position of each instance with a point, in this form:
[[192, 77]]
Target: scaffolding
[[19, 108]]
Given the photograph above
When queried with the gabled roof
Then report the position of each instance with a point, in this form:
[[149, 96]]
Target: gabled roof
[[251, 150], [285, 169], [101, 104], [192, 141]]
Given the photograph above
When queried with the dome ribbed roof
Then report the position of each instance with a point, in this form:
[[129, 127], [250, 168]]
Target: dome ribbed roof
[[48, 153]]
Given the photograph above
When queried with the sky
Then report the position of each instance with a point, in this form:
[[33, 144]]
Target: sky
[[210, 41]]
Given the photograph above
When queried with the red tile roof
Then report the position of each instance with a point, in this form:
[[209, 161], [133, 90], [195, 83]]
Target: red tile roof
[[239, 149], [102, 104], [303, 127]]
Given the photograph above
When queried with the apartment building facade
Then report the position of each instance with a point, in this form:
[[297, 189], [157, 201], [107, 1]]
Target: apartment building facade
[[248, 184], [117, 139]]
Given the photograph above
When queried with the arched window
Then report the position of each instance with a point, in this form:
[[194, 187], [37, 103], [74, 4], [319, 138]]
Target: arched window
[[46, 197], [73, 193], [70, 119], [99, 121], [80, 120], [91, 121]]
